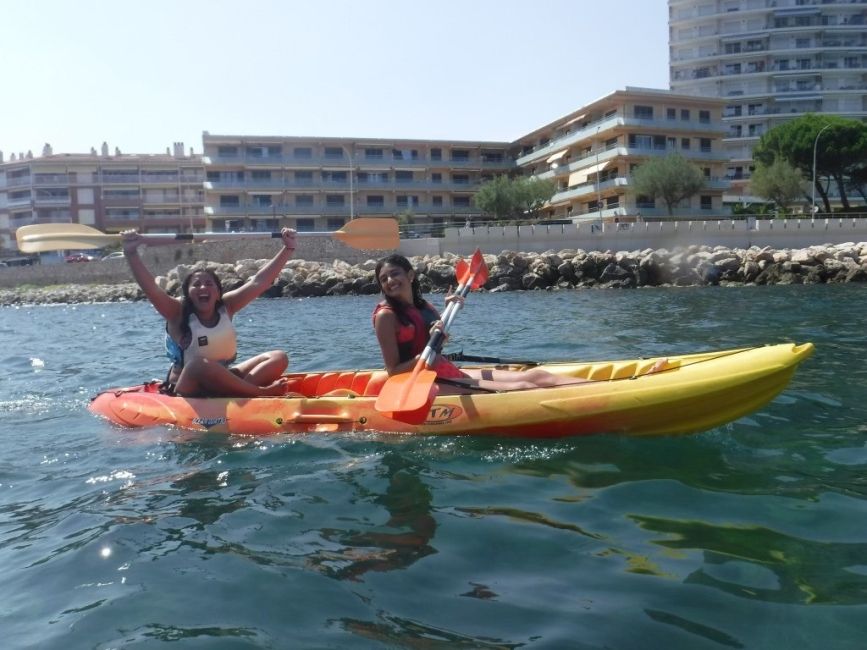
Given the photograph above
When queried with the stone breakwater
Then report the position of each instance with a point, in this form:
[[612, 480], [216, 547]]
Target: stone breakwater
[[511, 271]]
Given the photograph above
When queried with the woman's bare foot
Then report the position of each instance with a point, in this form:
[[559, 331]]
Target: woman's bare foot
[[274, 389], [659, 365]]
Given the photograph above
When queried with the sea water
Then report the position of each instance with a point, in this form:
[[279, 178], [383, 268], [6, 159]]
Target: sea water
[[751, 535]]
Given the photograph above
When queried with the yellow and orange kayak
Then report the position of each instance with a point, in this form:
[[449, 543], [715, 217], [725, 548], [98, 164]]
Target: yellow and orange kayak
[[687, 394]]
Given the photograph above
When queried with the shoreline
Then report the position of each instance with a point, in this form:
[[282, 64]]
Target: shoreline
[[568, 269]]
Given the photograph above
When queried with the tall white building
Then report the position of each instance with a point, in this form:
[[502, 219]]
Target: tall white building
[[771, 60]]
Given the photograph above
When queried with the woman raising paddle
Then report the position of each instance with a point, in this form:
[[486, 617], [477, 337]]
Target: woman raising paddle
[[404, 321], [200, 336]]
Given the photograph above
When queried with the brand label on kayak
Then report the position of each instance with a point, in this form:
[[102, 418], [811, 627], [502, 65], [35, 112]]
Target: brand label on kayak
[[209, 422], [443, 414]]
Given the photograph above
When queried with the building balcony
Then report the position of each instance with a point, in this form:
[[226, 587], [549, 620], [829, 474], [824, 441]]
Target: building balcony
[[134, 179], [540, 153]]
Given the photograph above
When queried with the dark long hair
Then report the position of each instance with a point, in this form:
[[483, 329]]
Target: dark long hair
[[395, 259], [187, 308]]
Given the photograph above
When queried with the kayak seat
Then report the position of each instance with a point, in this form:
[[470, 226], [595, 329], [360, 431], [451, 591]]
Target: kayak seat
[[340, 392], [377, 380], [327, 382], [359, 382]]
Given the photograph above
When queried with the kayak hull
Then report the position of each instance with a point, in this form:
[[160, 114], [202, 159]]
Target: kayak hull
[[689, 393]]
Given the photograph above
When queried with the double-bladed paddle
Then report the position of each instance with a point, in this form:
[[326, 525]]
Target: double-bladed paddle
[[365, 233], [411, 391]]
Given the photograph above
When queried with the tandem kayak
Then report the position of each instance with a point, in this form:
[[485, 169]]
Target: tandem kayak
[[689, 393]]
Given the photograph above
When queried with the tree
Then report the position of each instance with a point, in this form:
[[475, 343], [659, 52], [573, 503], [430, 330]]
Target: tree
[[520, 198], [672, 179], [779, 182], [839, 150], [531, 194]]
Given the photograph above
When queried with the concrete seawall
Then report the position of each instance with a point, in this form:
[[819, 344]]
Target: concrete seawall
[[775, 233]]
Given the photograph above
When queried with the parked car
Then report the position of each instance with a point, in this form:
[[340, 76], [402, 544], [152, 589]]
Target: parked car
[[116, 255], [79, 257]]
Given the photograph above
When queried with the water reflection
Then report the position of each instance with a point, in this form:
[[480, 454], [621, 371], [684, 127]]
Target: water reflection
[[402, 540], [762, 564]]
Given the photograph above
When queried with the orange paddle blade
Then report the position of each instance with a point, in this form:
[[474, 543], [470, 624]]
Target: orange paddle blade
[[408, 391]]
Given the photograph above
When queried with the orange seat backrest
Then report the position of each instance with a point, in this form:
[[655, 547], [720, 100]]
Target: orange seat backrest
[[327, 382], [376, 383], [359, 382]]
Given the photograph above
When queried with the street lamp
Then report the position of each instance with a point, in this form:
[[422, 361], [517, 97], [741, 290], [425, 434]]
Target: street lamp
[[351, 188], [816, 144], [598, 182]]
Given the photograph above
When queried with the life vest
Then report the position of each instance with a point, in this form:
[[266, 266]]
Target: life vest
[[218, 343]]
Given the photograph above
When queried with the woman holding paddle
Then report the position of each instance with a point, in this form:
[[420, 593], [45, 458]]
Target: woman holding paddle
[[200, 336], [404, 321]]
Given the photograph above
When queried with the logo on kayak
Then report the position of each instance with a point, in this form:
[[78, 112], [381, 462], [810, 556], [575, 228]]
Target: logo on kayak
[[209, 422], [443, 414]]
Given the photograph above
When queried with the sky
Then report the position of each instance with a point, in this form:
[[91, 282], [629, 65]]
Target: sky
[[142, 75]]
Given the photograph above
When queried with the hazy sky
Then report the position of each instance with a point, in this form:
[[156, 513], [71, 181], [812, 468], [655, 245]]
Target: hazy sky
[[141, 75]]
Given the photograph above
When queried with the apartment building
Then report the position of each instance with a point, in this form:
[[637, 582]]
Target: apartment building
[[771, 60], [591, 153], [112, 192], [314, 184]]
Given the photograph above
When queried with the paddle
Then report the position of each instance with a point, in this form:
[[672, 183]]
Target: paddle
[[411, 391], [368, 234]]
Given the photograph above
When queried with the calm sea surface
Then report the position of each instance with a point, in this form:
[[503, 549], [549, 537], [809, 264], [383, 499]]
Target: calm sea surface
[[751, 535]]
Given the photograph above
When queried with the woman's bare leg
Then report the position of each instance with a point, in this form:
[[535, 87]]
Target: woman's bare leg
[[263, 369], [201, 378]]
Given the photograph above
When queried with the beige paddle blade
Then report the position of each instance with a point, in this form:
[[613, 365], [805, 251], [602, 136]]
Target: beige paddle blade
[[370, 234], [42, 237]]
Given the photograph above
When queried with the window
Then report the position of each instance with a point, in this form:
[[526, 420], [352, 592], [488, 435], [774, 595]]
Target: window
[[461, 201], [645, 202], [334, 177], [671, 113], [436, 154], [230, 201], [643, 112], [402, 177], [304, 200], [706, 172], [732, 48], [373, 154], [436, 177], [684, 114], [404, 201], [335, 223], [304, 225], [303, 153], [334, 153], [404, 154], [460, 179], [303, 177], [375, 201], [122, 213], [704, 117], [261, 200], [460, 155], [706, 202], [226, 151], [684, 144], [704, 144], [437, 201], [335, 200], [262, 175]]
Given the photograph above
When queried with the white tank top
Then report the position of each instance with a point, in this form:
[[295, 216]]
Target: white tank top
[[218, 343]]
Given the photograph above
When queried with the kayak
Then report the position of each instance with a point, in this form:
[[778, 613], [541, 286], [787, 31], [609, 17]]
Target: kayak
[[639, 397]]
